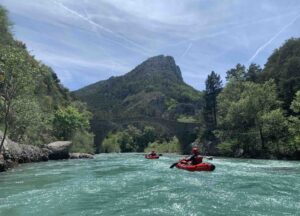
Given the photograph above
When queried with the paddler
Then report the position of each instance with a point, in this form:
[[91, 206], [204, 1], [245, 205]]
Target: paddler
[[195, 158], [153, 153]]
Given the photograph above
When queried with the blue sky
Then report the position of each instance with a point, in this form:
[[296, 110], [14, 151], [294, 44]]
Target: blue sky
[[85, 41]]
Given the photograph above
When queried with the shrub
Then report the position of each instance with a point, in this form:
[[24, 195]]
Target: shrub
[[83, 142]]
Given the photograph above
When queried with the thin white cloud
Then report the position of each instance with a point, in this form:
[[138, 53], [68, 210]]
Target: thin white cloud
[[262, 47], [74, 61], [229, 28], [141, 50], [186, 51]]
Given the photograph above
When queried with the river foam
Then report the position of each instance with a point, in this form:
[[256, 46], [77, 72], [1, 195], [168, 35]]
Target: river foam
[[129, 184]]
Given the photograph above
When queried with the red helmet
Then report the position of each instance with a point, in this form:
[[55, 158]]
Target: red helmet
[[195, 150]]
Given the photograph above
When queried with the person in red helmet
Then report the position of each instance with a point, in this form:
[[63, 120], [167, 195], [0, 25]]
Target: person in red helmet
[[195, 158], [153, 153]]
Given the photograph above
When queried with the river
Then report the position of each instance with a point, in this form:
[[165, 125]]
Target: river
[[128, 184]]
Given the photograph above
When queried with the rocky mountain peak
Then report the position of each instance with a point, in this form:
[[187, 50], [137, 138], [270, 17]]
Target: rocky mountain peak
[[159, 65]]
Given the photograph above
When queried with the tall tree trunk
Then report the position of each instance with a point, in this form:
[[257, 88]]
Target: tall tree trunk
[[263, 147], [7, 110], [215, 113]]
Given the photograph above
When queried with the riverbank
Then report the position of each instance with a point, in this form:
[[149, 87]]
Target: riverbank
[[15, 153]]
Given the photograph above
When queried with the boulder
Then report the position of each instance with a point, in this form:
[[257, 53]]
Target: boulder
[[21, 153], [81, 156], [58, 150], [239, 152], [14, 153], [2, 163]]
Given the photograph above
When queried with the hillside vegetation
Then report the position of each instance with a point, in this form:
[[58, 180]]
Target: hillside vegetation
[[35, 107], [155, 88]]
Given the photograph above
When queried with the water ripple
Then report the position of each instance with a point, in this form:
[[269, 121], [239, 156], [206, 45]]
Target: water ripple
[[128, 184]]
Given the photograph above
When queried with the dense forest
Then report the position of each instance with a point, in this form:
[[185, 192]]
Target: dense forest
[[256, 113], [35, 107]]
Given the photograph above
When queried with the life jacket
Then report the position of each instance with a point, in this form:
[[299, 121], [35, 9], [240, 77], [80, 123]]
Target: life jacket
[[197, 159]]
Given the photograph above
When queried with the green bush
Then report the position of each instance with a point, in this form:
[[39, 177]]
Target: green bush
[[186, 119], [225, 148], [171, 146], [69, 119], [111, 144], [82, 142]]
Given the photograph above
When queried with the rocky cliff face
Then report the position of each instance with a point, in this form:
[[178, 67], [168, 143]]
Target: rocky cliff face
[[161, 66]]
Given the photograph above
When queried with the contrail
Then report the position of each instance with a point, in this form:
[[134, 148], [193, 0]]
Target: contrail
[[145, 52], [186, 51], [229, 29], [261, 48]]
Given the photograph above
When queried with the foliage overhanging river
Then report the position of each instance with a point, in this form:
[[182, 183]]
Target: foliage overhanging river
[[128, 184]]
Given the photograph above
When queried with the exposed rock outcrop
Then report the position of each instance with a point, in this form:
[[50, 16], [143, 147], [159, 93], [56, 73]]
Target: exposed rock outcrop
[[81, 156], [24, 153], [58, 150], [15, 153]]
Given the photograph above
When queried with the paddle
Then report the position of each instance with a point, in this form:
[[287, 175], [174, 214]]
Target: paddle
[[174, 164]]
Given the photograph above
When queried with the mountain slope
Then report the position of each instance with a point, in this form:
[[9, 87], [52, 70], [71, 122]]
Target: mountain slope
[[154, 88]]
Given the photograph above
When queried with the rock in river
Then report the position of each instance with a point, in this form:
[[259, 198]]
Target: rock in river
[[81, 156], [59, 150]]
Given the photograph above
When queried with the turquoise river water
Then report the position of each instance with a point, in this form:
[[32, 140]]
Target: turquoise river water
[[129, 184]]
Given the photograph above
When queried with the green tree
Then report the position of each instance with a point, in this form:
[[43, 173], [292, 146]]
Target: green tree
[[169, 146], [17, 80], [253, 73], [148, 135], [127, 143], [26, 120], [112, 142], [284, 67], [246, 110], [82, 141], [213, 86], [275, 130], [68, 120], [294, 124], [295, 106], [238, 73]]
